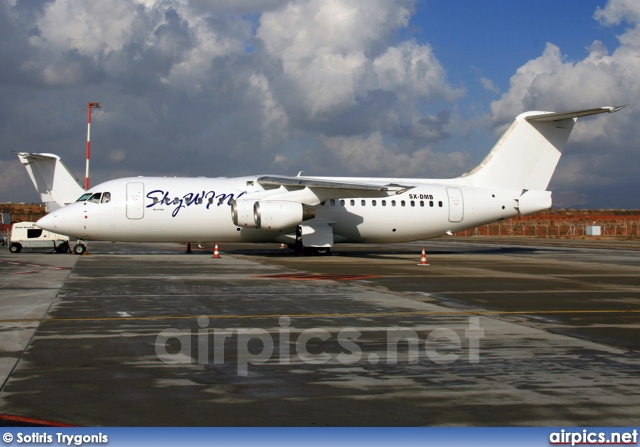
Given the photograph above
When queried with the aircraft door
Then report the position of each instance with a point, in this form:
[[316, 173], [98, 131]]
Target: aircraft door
[[456, 205], [135, 200]]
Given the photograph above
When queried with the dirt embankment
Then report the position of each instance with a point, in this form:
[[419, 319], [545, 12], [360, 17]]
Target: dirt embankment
[[20, 212]]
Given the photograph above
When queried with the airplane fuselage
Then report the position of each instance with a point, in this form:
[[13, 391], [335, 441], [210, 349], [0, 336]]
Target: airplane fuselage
[[160, 209]]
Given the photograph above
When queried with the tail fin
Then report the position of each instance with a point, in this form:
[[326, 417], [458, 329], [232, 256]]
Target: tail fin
[[527, 154], [52, 179]]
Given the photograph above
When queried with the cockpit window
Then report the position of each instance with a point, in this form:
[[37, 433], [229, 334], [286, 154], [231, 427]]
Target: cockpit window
[[95, 198], [84, 197]]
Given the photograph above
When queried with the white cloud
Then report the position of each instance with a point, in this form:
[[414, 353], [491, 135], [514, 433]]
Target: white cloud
[[274, 119], [88, 27], [333, 54], [617, 11], [371, 156], [489, 86], [412, 68]]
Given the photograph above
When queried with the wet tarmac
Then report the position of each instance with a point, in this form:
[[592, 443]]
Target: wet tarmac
[[494, 332]]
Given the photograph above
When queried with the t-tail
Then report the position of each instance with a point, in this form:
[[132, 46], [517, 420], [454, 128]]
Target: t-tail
[[526, 156], [52, 179]]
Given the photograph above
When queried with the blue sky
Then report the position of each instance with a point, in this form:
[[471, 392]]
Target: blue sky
[[395, 88], [494, 38]]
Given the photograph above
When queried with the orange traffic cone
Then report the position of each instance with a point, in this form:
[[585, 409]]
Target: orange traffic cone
[[423, 259], [216, 254]]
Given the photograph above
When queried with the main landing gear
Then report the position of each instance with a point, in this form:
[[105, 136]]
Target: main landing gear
[[301, 250]]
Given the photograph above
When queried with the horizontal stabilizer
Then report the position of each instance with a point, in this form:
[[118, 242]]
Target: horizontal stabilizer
[[575, 114]]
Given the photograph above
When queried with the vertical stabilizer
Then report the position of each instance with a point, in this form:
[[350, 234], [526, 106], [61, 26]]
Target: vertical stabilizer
[[52, 179], [527, 154]]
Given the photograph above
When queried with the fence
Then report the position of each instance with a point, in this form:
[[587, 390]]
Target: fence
[[552, 229]]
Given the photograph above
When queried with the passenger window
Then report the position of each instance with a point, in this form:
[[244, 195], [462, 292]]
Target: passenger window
[[342, 202], [176, 200], [393, 203], [210, 201], [199, 200], [431, 203], [155, 200], [422, 203], [95, 198], [323, 203], [352, 202], [403, 203], [106, 197], [332, 202], [384, 203], [363, 203], [413, 203], [373, 202], [440, 204]]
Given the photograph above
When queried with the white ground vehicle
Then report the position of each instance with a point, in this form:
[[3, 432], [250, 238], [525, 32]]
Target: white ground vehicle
[[28, 235]]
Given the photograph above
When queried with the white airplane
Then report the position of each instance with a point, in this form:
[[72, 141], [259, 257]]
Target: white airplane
[[312, 213]]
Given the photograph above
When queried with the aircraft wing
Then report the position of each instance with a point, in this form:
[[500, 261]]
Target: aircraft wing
[[334, 188], [312, 190]]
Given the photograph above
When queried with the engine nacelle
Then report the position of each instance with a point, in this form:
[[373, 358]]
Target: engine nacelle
[[280, 214], [242, 213], [269, 214]]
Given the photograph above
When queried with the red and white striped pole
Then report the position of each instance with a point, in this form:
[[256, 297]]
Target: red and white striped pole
[[91, 105]]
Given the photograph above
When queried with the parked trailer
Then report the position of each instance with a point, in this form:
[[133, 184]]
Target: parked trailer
[[28, 235]]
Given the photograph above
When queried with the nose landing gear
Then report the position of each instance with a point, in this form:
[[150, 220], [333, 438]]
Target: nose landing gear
[[79, 249]]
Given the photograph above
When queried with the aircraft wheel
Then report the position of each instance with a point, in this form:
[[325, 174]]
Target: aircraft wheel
[[315, 251], [15, 248], [79, 249]]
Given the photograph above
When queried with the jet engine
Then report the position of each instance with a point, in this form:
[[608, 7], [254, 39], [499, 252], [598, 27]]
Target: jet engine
[[242, 213], [269, 214]]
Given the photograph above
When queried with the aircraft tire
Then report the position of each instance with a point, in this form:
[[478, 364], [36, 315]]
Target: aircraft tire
[[314, 251], [79, 249]]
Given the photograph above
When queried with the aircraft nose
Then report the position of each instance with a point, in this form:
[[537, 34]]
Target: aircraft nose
[[49, 222], [64, 221]]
